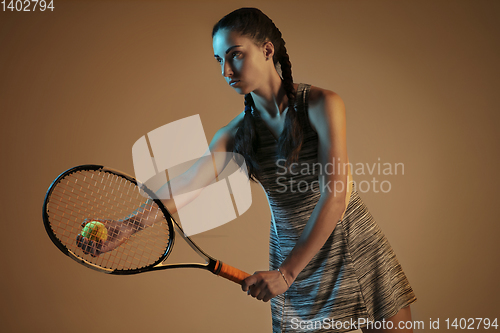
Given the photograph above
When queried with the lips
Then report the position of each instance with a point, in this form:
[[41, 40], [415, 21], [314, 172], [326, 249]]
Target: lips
[[233, 82]]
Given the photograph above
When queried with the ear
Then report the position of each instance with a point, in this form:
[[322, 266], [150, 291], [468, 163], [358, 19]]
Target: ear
[[268, 49]]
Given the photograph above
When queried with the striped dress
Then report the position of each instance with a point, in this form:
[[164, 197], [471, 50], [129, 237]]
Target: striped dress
[[355, 276]]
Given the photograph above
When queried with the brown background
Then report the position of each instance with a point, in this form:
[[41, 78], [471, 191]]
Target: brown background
[[83, 83]]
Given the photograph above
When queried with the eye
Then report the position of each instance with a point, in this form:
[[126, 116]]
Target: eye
[[236, 54]]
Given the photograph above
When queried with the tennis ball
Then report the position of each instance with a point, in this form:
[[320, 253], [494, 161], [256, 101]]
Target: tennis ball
[[96, 231]]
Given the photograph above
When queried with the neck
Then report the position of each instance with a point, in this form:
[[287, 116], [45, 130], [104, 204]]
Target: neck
[[272, 98]]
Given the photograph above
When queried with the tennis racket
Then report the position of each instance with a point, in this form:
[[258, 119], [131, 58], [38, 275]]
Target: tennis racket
[[96, 193]]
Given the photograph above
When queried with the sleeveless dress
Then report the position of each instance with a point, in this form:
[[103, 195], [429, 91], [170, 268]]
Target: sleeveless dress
[[355, 276]]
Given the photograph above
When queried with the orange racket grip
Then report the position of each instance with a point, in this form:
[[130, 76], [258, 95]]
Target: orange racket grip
[[232, 273]]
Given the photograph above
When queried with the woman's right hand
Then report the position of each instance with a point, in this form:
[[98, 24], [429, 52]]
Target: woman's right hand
[[118, 233]]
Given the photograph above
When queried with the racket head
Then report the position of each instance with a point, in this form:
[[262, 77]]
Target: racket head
[[95, 193]]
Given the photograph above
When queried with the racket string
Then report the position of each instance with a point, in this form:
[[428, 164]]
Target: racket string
[[92, 195]]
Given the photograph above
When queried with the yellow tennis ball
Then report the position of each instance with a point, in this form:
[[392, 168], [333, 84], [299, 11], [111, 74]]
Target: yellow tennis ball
[[96, 231]]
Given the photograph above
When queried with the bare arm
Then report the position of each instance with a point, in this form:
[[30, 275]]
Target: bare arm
[[331, 128], [201, 174]]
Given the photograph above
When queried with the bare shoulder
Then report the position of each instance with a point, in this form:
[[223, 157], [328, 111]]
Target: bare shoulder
[[325, 107], [224, 138], [231, 128]]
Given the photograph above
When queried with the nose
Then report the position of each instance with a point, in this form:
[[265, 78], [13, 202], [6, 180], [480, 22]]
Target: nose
[[227, 71]]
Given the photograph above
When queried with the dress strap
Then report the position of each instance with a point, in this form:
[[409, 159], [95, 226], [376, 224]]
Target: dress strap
[[302, 97]]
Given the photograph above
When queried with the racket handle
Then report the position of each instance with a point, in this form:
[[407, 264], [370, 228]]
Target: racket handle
[[231, 273]]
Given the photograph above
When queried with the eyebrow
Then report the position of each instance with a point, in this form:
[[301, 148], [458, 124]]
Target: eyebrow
[[228, 50]]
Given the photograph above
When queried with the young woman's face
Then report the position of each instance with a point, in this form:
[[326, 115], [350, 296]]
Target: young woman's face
[[243, 64]]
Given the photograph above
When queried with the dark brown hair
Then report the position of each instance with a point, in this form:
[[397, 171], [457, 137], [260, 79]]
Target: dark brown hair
[[252, 23]]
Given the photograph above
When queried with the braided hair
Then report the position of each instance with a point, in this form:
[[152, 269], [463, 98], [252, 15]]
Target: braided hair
[[254, 24]]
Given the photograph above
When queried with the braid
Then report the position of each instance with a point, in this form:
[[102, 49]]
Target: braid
[[291, 139], [246, 140]]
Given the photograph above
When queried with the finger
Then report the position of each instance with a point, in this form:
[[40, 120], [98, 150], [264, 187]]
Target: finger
[[95, 248], [256, 290], [79, 240], [253, 290], [248, 282], [244, 285], [91, 248], [262, 294], [98, 247], [84, 244]]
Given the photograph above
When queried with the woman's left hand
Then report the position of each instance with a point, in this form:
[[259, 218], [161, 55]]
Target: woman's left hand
[[265, 285]]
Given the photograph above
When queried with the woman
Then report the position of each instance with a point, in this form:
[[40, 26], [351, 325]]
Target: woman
[[328, 259], [330, 265]]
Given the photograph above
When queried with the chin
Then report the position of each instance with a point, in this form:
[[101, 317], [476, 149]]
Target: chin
[[241, 91], [243, 88]]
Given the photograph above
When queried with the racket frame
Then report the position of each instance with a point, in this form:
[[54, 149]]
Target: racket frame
[[212, 265]]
